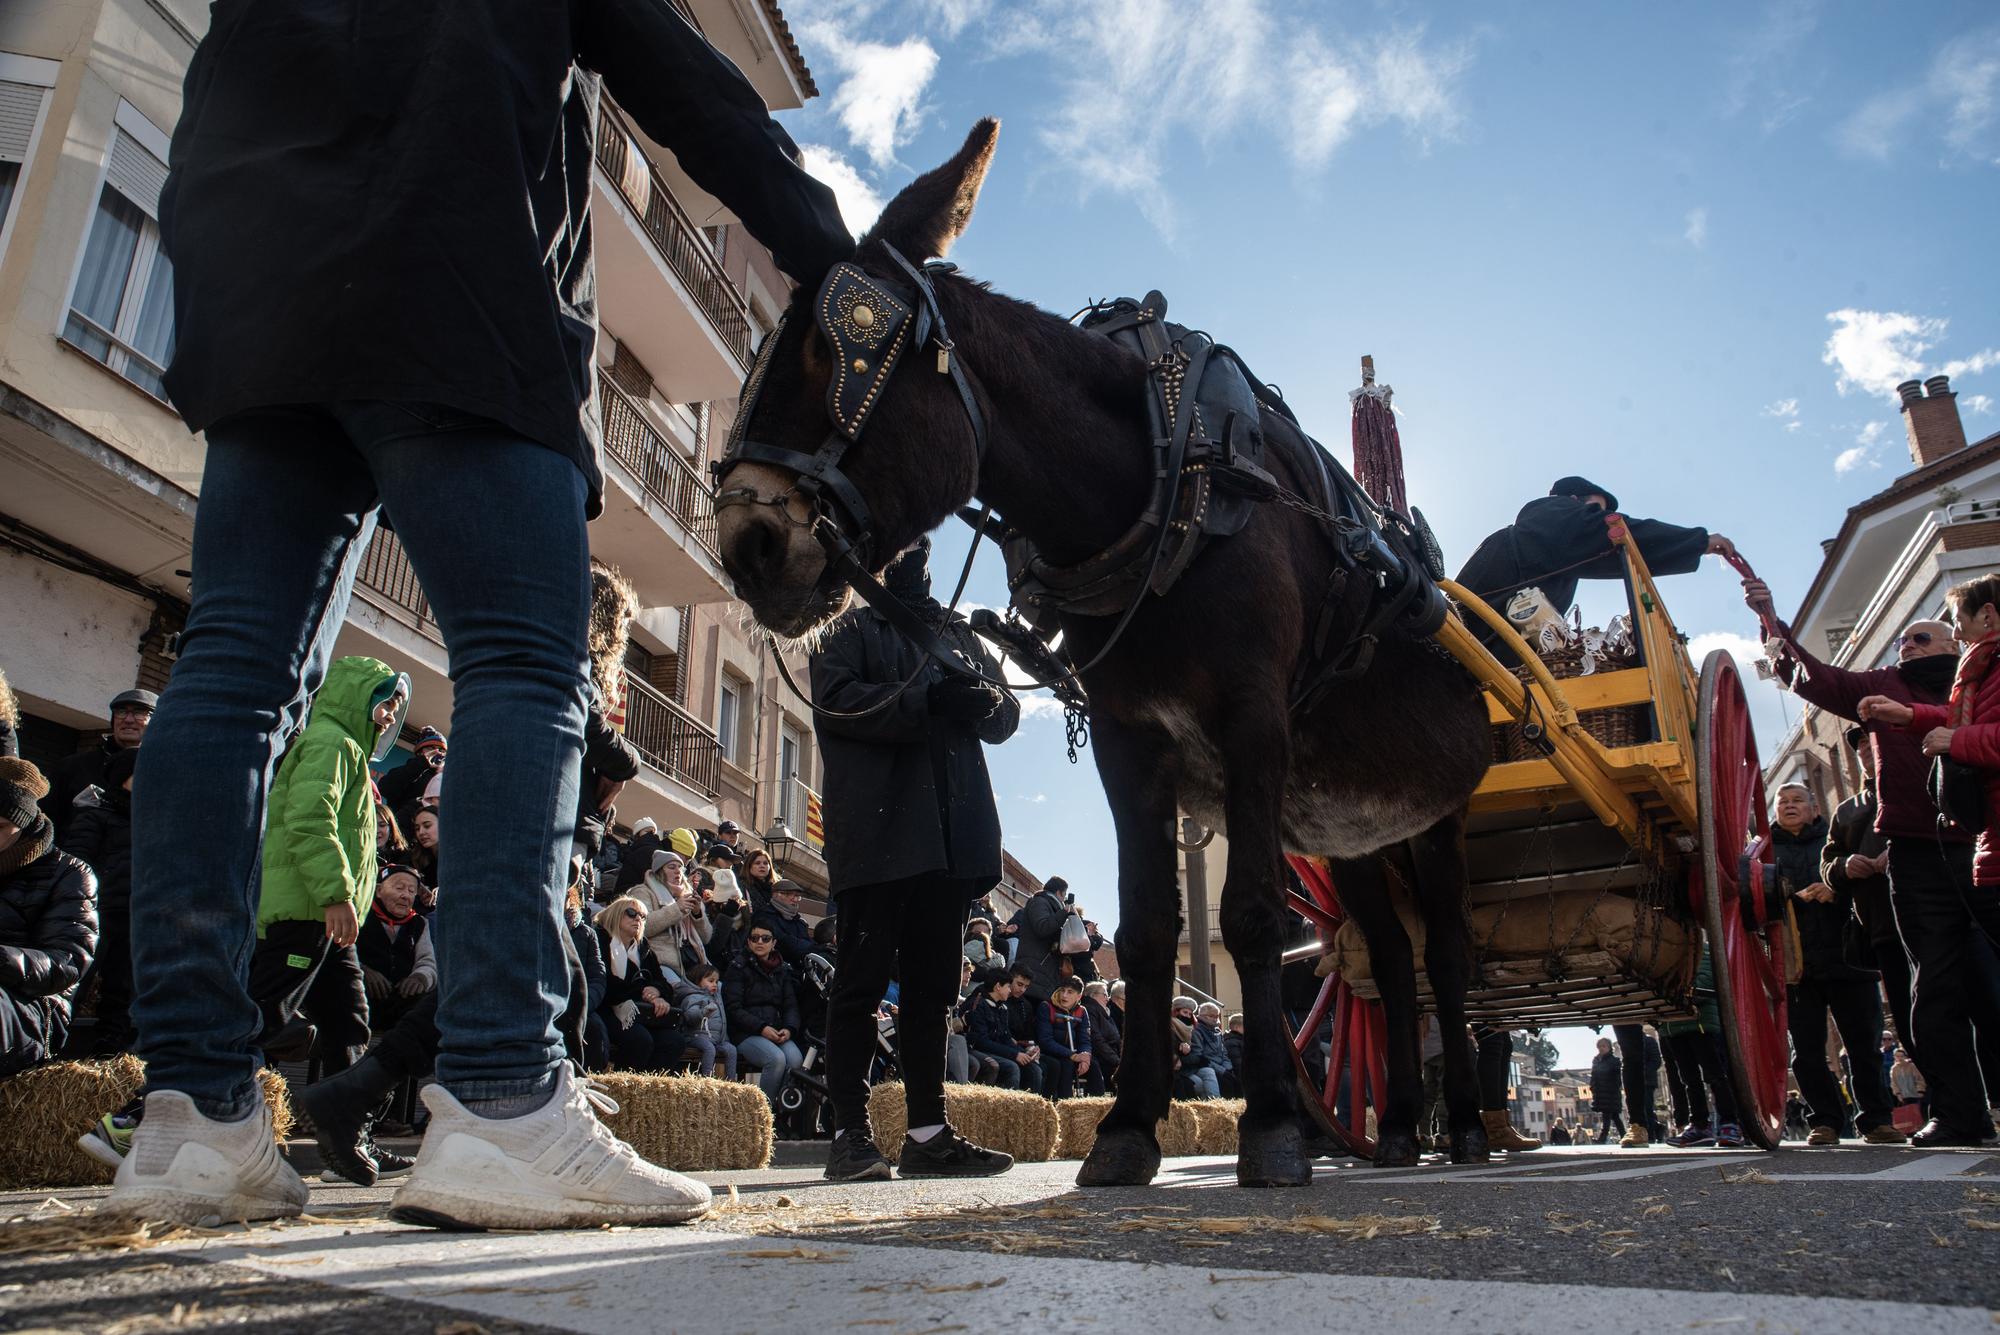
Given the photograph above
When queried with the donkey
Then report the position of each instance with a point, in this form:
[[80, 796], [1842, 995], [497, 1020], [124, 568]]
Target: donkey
[[1190, 711]]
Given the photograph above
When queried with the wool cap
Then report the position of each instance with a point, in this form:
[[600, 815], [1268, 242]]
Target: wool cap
[[22, 788]]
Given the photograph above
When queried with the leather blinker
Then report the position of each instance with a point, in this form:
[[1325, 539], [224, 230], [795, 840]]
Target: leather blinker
[[865, 326]]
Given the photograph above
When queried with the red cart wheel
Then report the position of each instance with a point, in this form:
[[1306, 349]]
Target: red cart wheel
[[1359, 1035], [1747, 934]]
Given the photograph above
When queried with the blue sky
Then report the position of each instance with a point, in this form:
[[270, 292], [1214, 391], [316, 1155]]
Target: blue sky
[[1683, 250]]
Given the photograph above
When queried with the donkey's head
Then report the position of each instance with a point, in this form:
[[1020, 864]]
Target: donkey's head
[[848, 433]]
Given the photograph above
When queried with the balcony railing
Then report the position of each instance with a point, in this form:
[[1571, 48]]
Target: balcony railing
[[667, 475], [672, 740], [686, 251], [386, 573]]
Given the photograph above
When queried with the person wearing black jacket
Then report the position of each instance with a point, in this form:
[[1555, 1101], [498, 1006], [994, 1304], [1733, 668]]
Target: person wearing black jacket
[[1564, 538], [1107, 1035], [1828, 984], [1855, 862], [99, 835], [131, 712], [48, 923], [760, 1001], [403, 786], [637, 859], [913, 837]]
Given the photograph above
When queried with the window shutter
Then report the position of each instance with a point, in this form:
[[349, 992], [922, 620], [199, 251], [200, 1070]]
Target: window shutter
[[19, 105], [136, 173]]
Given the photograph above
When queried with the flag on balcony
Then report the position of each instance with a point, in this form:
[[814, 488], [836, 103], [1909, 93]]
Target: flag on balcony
[[614, 708], [815, 831]]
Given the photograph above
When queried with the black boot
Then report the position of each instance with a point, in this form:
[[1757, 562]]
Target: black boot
[[341, 1107]]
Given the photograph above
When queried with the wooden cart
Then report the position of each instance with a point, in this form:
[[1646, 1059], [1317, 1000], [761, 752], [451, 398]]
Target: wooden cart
[[1637, 845]]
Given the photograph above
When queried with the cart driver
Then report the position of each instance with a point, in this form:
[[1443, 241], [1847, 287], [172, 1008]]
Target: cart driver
[[1565, 537]]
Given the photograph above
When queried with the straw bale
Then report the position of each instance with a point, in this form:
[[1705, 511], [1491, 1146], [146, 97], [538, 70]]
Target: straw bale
[[691, 1123], [1079, 1118], [1177, 1135], [1010, 1120], [1215, 1125], [47, 1107]]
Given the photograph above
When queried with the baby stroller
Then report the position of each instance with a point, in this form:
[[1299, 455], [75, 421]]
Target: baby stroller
[[803, 1110]]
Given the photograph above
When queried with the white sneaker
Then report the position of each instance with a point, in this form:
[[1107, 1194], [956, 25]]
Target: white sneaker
[[556, 1167], [185, 1168]]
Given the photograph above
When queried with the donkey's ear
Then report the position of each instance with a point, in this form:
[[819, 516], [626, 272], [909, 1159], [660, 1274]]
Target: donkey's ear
[[932, 210]]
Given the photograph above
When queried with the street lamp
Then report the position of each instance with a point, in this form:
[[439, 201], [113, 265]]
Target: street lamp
[[778, 842]]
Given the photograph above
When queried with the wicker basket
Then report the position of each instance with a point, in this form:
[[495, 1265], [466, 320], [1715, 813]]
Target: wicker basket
[[1621, 725]]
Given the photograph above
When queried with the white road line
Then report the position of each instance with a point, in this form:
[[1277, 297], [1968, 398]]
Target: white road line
[[1523, 1172], [599, 1283], [1929, 1168]]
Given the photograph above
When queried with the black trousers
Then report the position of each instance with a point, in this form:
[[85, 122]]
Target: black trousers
[[1938, 912], [295, 971], [24, 1034], [1878, 920], [1495, 1050], [1856, 1009], [912, 931], [1638, 1080], [1698, 1060]]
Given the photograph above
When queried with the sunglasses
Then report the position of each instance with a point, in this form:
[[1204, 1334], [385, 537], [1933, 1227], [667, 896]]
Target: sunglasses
[[635, 913], [1919, 638], [759, 937]]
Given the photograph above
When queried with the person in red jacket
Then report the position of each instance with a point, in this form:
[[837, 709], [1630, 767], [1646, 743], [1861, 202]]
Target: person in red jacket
[[1930, 868], [1943, 934]]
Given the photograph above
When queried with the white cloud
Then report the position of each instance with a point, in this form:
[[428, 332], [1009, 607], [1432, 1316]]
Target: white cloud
[[880, 98], [1849, 459], [1761, 61], [1976, 403], [1984, 360], [1874, 351], [1782, 408], [1862, 452], [1794, 425], [1036, 798], [1767, 703], [859, 202], [1696, 231], [1957, 101]]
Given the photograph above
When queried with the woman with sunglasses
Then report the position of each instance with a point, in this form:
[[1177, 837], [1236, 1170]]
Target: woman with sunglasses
[[639, 1007], [762, 1004]]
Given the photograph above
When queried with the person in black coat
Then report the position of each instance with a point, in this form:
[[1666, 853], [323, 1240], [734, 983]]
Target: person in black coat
[[1855, 863], [404, 785], [1828, 984], [637, 859], [1563, 538], [913, 837], [131, 711], [1107, 1035], [639, 1005], [100, 836], [760, 1001], [784, 922], [1607, 1088], [48, 923], [1041, 922]]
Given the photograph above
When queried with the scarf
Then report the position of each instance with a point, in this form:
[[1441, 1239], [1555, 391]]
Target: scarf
[[1973, 665], [382, 913], [1932, 673], [617, 956], [34, 843], [789, 912]]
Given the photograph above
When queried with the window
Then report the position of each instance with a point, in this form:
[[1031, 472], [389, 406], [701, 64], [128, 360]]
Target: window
[[729, 721], [122, 310], [24, 86], [790, 748]]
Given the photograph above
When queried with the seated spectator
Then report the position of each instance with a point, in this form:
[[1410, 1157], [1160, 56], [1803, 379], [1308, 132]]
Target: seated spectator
[[48, 923], [1020, 1010], [131, 712], [761, 1004], [398, 957], [783, 921], [424, 832], [404, 785], [729, 917], [100, 836], [957, 1052], [1107, 1036], [637, 859], [707, 1026], [677, 927], [390, 843], [989, 1029], [1907, 1083], [979, 948], [1232, 1043], [639, 1013], [583, 939], [1197, 1079], [757, 878], [1208, 1042], [1062, 1027]]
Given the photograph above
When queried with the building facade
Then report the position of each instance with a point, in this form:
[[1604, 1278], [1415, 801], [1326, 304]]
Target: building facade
[[100, 479], [1896, 554]]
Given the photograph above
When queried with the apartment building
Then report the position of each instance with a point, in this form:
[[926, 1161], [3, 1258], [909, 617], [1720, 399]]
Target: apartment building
[[99, 478], [1896, 554]]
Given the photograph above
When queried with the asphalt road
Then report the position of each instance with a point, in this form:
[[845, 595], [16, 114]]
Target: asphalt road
[[1855, 1238]]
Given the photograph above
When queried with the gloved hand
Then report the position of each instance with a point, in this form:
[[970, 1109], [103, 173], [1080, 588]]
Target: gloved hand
[[963, 699]]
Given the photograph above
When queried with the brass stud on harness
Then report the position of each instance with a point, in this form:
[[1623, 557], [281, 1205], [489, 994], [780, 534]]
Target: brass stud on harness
[[860, 366], [864, 317]]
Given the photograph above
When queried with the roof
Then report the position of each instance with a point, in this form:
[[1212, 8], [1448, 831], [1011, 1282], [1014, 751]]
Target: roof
[[1931, 475], [792, 53]]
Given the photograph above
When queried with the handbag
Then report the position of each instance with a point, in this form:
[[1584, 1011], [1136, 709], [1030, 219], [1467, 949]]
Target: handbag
[[1958, 793], [1907, 1117], [1075, 938]]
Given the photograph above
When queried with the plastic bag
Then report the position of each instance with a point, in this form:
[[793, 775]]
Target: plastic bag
[[1075, 938]]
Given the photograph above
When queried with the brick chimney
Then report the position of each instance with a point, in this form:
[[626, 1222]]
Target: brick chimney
[[1930, 417]]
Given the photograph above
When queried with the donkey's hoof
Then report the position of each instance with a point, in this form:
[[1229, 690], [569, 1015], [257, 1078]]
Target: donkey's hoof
[[1274, 1157], [1397, 1149], [1120, 1159], [1468, 1145]]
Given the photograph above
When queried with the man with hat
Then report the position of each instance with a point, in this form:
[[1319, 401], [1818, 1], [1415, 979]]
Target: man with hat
[[131, 711], [730, 833], [48, 923], [404, 785], [1564, 538]]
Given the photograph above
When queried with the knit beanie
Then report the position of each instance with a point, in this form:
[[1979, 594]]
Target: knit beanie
[[682, 842], [22, 788]]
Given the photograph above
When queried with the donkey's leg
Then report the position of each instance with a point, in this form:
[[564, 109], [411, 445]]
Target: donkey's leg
[[1438, 859], [1256, 753], [1138, 769], [1364, 894]]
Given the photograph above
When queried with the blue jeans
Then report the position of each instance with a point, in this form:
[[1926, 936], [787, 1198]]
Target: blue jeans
[[709, 1049], [1204, 1083], [772, 1060], [494, 528]]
